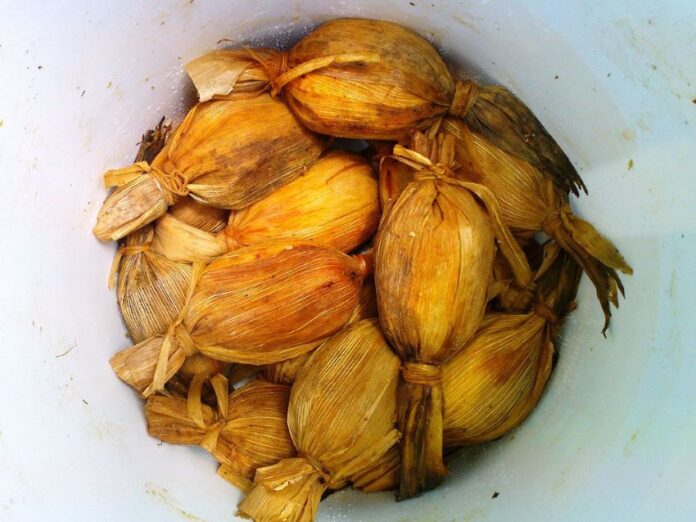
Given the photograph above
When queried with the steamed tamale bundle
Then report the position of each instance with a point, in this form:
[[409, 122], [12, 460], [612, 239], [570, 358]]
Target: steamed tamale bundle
[[246, 431], [257, 305], [334, 203], [340, 417], [493, 384], [530, 203], [434, 256], [226, 153]]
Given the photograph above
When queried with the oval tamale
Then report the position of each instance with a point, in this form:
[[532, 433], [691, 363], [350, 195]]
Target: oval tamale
[[529, 202], [257, 305], [151, 289], [492, 385], [340, 417], [334, 203], [226, 153], [248, 433], [285, 372], [434, 257]]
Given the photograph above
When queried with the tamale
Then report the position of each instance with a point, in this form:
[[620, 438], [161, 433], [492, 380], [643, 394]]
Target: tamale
[[226, 153], [341, 419], [494, 383], [529, 202], [371, 79], [434, 257], [247, 431], [257, 305], [334, 203], [285, 372]]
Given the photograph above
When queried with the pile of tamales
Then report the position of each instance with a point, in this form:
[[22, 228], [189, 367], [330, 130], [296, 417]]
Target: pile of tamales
[[318, 318]]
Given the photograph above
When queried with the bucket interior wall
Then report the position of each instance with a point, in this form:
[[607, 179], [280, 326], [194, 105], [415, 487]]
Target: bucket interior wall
[[615, 84]]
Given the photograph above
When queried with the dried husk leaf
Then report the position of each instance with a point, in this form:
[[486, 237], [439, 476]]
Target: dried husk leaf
[[334, 203], [203, 217], [251, 434], [226, 72], [341, 419], [529, 202], [285, 372], [268, 303], [226, 153], [433, 263]]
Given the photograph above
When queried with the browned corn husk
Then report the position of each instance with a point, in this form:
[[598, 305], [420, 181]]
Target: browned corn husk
[[492, 385], [247, 431], [334, 203], [257, 305], [226, 153], [530, 202], [433, 262], [208, 219], [383, 476], [341, 419], [285, 372]]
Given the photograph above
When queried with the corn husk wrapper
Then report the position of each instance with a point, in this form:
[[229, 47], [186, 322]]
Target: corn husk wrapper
[[247, 431], [226, 153], [193, 366], [341, 419], [208, 219], [285, 372], [492, 385], [530, 202], [434, 257], [257, 305], [334, 203]]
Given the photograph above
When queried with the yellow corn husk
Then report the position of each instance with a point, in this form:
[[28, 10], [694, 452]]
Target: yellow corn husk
[[207, 219], [257, 305], [234, 73], [341, 419], [492, 385], [226, 153], [530, 202], [247, 432], [394, 177], [434, 257], [151, 289], [285, 372], [334, 203]]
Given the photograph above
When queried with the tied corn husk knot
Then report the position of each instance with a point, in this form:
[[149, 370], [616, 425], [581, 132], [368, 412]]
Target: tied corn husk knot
[[341, 418], [465, 93], [418, 373], [225, 153]]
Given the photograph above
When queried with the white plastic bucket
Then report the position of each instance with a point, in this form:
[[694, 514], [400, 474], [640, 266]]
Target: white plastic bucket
[[614, 437]]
